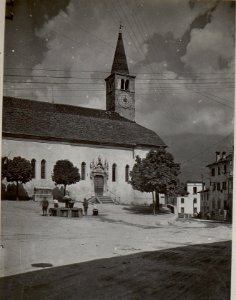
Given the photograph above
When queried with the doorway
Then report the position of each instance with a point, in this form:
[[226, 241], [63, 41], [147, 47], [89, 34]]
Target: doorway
[[98, 185]]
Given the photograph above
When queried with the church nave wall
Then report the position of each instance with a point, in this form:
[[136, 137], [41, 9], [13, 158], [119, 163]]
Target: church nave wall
[[78, 154]]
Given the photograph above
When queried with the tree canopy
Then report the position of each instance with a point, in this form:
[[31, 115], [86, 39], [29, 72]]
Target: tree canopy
[[156, 173], [17, 170], [64, 172]]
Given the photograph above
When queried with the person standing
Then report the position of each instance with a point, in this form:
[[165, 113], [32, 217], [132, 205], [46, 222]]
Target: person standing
[[44, 204], [85, 205]]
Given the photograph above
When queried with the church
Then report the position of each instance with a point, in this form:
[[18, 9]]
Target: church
[[103, 144]]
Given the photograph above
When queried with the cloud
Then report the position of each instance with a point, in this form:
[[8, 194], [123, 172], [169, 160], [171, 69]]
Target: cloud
[[214, 44], [163, 39]]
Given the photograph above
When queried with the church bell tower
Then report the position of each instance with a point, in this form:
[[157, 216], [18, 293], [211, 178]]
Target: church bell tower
[[120, 86]]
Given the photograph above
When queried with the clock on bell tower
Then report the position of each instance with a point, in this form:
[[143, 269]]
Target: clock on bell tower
[[120, 86]]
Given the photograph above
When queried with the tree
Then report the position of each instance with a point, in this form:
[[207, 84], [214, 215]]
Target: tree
[[157, 173], [18, 170], [65, 173]]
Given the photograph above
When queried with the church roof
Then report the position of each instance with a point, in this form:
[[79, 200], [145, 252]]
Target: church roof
[[66, 123], [120, 63]]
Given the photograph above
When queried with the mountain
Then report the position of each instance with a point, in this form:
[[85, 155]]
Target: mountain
[[195, 151]]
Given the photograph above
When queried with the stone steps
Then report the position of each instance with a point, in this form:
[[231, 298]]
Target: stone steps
[[104, 199]]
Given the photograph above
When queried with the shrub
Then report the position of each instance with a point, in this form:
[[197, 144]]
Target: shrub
[[10, 192]]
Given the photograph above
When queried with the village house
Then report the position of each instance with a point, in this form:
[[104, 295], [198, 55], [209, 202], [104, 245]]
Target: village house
[[216, 199], [189, 204]]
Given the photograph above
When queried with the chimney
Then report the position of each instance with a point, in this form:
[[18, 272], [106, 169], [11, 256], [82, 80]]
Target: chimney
[[223, 156], [217, 156]]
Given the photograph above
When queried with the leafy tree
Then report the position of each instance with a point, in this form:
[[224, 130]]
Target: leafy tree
[[157, 173], [18, 170], [65, 173]]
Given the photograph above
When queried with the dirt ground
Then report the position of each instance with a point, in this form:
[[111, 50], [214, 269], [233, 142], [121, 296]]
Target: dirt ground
[[199, 272], [121, 232]]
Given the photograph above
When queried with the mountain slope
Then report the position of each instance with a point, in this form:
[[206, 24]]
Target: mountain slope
[[195, 151]]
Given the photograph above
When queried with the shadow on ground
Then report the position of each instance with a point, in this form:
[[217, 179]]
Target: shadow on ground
[[193, 272], [112, 221], [143, 210]]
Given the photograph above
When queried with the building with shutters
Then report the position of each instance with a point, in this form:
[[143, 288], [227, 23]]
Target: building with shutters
[[189, 204], [217, 198]]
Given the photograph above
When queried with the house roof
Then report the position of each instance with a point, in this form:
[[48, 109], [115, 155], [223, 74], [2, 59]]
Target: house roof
[[228, 158], [59, 122]]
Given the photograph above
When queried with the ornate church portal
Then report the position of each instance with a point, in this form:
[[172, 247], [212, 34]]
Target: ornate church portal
[[98, 185], [99, 176]]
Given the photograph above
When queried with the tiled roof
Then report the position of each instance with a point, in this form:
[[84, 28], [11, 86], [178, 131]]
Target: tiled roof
[[59, 122]]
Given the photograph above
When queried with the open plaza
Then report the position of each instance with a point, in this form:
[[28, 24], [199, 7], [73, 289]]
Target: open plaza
[[31, 241]]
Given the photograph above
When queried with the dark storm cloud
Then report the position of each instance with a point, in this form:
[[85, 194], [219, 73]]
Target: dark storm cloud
[[41, 9], [167, 48], [29, 16]]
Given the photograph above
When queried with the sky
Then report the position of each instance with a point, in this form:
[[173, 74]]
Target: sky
[[181, 52]]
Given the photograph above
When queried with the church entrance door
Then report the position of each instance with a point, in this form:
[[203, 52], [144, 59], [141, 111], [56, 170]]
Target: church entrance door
[[98, 184]]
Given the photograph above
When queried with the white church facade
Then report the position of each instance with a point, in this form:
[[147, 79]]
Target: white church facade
[[103, 144]]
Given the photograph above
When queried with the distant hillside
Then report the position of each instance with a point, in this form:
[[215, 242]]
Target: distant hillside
[[195, 151]]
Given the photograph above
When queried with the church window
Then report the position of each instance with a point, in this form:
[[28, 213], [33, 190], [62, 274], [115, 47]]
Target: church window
[[33, 166], [114, 172], [127, 85], [43, 169], [127, 173], [83, 170], [122, 84]]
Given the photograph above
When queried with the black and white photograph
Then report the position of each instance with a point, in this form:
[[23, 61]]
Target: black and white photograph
[[117, 149]]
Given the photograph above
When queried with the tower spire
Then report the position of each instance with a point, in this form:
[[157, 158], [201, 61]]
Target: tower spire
[[120, 62]]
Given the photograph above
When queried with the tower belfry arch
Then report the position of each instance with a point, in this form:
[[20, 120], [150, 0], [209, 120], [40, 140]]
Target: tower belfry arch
[[120, 85]]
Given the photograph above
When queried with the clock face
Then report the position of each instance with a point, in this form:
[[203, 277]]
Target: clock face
[[125, 100]]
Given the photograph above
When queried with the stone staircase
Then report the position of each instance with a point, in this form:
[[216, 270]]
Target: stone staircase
[[104, 199]]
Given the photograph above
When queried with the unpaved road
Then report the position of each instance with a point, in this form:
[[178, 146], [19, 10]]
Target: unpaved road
[[29, 238], [199, 272]]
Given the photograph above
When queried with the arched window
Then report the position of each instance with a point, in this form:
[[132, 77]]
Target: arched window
[[33, 166], [83, 170], [122, 84], [114, 172], [127, 173], [43, 169], [127, 85]]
